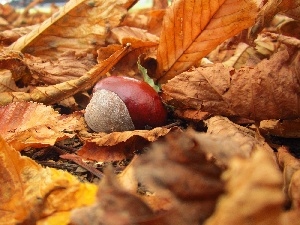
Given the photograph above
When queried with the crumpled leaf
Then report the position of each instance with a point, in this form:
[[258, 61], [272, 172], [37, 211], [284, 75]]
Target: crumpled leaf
[[253, 190], [80, 25], [117, 145], [270, 9], [114, 206], [268, 91], [191, 29], [30, 193], [7, 82], [291, 174], [55, 93], [281, 128], [179, 169], [241, 140], [69, 67], [24, 124]]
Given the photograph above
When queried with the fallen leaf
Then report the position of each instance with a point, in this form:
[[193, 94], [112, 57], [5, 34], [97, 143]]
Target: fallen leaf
[[191, 29], [24, 124], [284, 128], [179, 169], [33, 192], [253, 190], [114, 206], [55, 93], [268, 91], [80, 25], [291, 174], [117, 145]]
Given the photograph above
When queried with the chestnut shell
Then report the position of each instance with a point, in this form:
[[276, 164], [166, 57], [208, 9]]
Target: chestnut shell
[[143, 102]]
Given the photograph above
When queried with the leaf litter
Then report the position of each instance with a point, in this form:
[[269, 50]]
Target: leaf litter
[[232, 97]]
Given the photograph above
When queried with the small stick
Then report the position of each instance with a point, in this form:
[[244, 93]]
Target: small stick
[[77, 159]]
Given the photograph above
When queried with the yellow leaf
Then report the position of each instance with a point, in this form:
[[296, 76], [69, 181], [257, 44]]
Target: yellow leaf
[[32, 192], [191, 29]]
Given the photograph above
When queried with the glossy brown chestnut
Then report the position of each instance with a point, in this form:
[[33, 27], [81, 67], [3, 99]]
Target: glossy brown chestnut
[[143, 103]]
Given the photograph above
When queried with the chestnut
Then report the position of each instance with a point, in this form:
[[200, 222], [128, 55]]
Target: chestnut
[[122, 103]]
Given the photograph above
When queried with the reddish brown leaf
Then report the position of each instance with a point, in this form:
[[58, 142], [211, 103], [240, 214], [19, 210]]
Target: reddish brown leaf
[[268, 91], [24, 124], [117, 145], [58, 92]]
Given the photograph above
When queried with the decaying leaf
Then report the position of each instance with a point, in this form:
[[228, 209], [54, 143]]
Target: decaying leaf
[[80, 25], [179, 169], [24, 124], [191, 29], [253, 190], [284, 128], [268, 91], [117, 145], [291, 175], [55, 93], [30, 192], [270, 9], [114, 206]]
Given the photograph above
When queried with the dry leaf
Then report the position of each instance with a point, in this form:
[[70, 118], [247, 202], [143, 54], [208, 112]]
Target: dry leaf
[[55, 93], [253, 192], [24, 124], [291, 175], [268, 91], [178, 169], [69, 67], [281, 128], [117, 145], [33, 192], [270, 9], [80, 25], [191, 29], [114, 206], [149, 20]]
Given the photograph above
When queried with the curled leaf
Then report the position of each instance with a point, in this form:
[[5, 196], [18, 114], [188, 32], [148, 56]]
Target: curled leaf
[[117, 145], [268, 91], [24, 124], [33, 193], [253, 190]]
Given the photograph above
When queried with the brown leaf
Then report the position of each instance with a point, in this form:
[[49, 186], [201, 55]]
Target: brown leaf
[[55, 93], [117, 145], [179, 169], [114, 206], [32, 193], [79, 25], [246, 139], [270, 9], [191, 29], [69, 67], [253, 192], [291, 175], [24, 124], [268, 91], [284, 128], [149, 20]]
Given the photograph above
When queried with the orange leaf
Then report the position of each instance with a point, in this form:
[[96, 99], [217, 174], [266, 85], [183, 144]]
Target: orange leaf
[[117, 145], [191, 29], [32, 192], [24, 124]]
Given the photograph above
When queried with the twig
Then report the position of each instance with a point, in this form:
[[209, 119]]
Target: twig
[[77, 159]]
